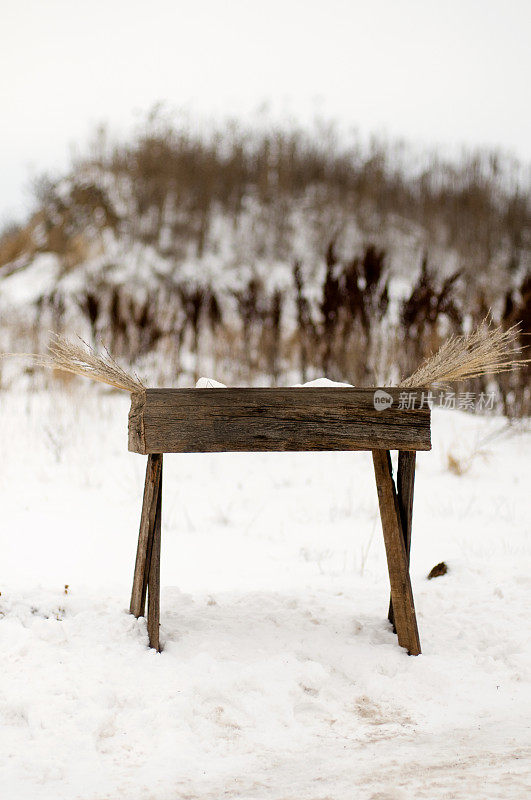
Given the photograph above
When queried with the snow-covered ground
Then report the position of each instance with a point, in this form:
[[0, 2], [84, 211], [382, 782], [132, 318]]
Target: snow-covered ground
[[280, 676]]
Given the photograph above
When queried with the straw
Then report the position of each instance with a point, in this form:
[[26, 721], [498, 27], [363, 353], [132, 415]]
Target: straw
[[486, 351], [82, 359]]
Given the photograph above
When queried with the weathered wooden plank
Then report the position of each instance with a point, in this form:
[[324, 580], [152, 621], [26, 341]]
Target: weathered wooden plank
[[405, 488], [136, 423], [224, 420], [153, 617], [397, 561], [145, 535]]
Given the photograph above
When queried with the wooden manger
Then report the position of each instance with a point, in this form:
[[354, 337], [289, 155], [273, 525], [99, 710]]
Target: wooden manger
[[279, 420]]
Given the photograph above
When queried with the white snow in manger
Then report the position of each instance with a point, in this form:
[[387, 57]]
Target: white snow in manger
[[210, 383]]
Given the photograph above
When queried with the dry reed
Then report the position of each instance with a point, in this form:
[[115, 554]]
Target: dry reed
[[485, 351], [82, 359]]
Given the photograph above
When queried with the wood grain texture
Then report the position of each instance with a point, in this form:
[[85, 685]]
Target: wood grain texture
[[397, 561], [136, 422], [153, 616], [145, 535], [405, 489], [240, 420]]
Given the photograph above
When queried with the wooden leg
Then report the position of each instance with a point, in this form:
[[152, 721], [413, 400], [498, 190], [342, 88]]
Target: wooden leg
[[405, 487], [153, 618], [152, 488], [397, 561]]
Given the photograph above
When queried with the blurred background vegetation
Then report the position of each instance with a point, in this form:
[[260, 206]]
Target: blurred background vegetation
[[269, 254]]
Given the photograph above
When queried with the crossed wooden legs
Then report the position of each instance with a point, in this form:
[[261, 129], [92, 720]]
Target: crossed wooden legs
[[405, 485], [396, 514], [395, 511], [147, 567]]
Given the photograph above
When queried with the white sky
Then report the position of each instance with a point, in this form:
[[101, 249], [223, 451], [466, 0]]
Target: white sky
[[446, 72]]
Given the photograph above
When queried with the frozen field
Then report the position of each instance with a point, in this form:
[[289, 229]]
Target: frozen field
[[280, 676]]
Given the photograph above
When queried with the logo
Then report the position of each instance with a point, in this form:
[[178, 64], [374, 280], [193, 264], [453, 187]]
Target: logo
[[382, 400]]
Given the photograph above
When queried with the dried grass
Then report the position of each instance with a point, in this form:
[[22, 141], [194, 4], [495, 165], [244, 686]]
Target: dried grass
[[486, 351], [82, 359]]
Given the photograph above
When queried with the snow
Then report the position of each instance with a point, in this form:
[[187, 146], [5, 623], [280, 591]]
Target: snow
[[209, 383], [25, 286], [280, 676], [323, 383]]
